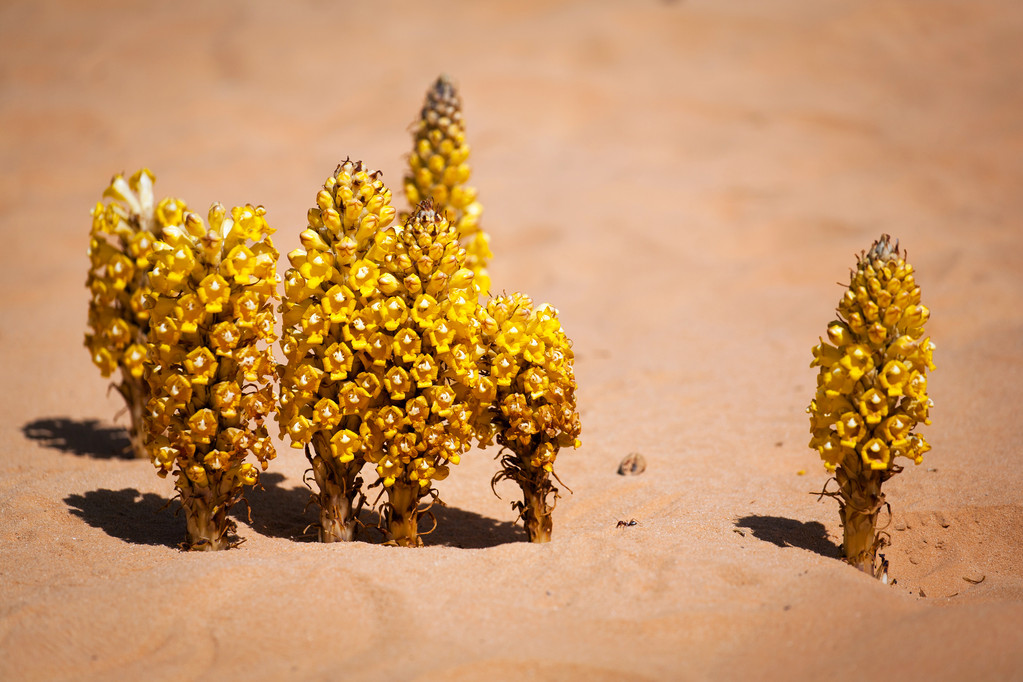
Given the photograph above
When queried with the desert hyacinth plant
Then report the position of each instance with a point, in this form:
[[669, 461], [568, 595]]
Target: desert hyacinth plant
[[526, 397], [381, 342], [332, 340], [439, 170], [211, 373], [871, 393], [124, 231]]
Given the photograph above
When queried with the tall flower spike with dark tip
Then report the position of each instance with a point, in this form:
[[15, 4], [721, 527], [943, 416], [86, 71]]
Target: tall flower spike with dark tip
[[439, 170], [334, 343], [124, 231], [211, 371], [526, 397], [871, 392]]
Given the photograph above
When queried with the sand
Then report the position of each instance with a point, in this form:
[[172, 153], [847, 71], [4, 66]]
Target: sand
[[686, 181]]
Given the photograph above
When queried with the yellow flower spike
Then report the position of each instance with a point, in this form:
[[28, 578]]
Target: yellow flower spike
[[868, 404], [526, 373], [438, 171], [218, 285], [125, 230]]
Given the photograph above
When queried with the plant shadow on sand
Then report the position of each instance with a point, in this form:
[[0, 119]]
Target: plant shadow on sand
[[132, 516], [85, 438], [783, 532], [280, 512], [469, 530]]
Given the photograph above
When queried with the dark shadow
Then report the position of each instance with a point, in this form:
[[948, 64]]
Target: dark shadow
[[80, 437], [139, 518], [278, 512], [809, 535], [469, 530]]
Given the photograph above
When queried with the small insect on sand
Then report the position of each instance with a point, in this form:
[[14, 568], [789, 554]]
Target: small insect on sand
[[625, 524]]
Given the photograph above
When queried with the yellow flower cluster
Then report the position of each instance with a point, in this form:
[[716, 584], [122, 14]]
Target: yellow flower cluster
[[439, 171], [526, 395], [379, 335], [872, 382], [124, 233], [211, 373]]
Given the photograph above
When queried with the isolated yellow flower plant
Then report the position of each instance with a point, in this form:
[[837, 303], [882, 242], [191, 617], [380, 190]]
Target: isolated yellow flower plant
[[872, 393]]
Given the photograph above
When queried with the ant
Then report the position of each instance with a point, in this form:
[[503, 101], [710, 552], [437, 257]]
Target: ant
[[630, 522]]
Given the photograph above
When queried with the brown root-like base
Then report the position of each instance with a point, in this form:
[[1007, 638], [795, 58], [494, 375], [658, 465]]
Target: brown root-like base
[[208, 530], [136, 394], [539, 496], [536, 513], [402, 515], [339, 484], [337, 522], [860, 503]]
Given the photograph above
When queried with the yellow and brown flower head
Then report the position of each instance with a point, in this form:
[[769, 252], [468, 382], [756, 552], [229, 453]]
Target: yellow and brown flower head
[[529, 382], [872, 382], [439, 170], [124, 231], [212, 372], [380, 334]]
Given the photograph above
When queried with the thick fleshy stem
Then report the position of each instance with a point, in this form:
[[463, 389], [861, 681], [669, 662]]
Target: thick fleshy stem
[[136, 394], [860, 503], [208, 527], [534, 509], [402, 514], [536, 513], [339, 484]]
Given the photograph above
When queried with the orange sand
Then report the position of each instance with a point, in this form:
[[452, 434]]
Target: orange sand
[[686, 181]]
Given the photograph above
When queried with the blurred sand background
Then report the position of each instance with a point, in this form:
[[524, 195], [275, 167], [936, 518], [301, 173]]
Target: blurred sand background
[[686, 181]]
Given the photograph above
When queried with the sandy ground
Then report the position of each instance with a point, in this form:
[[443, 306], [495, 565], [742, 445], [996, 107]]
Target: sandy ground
[[686, 182]]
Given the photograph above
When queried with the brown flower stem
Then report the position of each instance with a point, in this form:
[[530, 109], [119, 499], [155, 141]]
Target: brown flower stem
[[860, 504], [339, 484], [136, 394], [207, 526], [536, 513], [403, 514]]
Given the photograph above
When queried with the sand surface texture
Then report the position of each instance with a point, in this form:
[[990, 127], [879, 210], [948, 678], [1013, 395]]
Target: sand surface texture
[[686, 182]]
